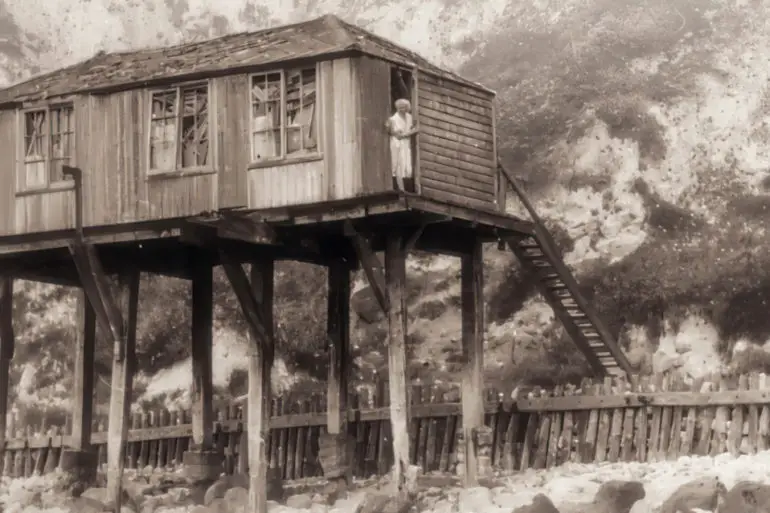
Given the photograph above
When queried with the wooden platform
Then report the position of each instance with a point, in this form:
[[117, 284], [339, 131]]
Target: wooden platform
[[310, 233]]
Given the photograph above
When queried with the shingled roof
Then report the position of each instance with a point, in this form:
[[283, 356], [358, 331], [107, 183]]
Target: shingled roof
[[315, 38]]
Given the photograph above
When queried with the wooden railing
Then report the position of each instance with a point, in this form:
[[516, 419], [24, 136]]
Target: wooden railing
[[648, 419]]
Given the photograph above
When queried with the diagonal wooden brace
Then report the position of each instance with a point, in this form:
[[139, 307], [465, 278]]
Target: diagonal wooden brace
[[371, 265], [97, 289], [251, 308]]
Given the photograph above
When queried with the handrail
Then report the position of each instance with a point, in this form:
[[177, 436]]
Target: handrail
[[541, 231], [550, 249]]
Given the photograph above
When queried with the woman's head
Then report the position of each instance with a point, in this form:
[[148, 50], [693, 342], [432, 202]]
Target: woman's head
[[403, 105]]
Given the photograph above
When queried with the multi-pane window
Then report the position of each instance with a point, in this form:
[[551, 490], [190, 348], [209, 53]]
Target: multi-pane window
[[179, 129], [283, 114], [49, 143]]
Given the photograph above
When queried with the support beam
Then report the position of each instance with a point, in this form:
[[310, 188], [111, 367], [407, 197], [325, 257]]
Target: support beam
[[371, 265], [83, 388], [202, 345], [472, 298], [256, 299], [79, 458], [123, 369], [334, 446], [97, 288], [110, 312], [395, 279], [7, 343]]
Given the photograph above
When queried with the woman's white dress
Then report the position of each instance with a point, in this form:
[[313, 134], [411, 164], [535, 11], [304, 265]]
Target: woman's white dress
[[401, 149]]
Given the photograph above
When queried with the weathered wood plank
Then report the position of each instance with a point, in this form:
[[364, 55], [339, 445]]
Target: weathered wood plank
[[472, 300], [395, 278], [202, 346], [83, 379], [7, 344]]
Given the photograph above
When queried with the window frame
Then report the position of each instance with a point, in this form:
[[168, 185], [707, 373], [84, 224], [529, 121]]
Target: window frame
[[178, 171], [318, 114], [21, 186]]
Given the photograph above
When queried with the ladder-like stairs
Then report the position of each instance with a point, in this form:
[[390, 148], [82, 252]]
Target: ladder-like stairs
[[539, 256]]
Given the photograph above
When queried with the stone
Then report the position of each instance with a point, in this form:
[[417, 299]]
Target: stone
[[237, 500], [664, 362], [301, 501], [220, 486], [746, 497], [476, 498], [540, 504], [97, 494], [201, 466], [617, 496], [704, 493], [318, 508]]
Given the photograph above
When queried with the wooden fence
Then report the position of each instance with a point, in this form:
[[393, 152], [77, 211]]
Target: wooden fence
[[648, 419]]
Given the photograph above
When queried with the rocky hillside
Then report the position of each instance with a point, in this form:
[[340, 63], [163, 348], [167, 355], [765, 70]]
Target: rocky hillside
[[641, 130]]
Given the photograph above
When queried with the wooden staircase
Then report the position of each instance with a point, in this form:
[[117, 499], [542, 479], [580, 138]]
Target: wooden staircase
[[539, 255]]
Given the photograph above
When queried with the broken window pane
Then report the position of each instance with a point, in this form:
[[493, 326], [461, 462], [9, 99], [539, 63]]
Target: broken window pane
[[35, 148], [301, 134], [266, 123], [163, 130], [195, 129], [62, 140]]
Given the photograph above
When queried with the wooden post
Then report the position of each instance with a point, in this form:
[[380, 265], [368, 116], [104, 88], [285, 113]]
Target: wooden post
[[83, 386], [334, 452], [260, 389], [395, 281], [202, 340], [7, 343], [123, 368], [256, 299], [472, 298]]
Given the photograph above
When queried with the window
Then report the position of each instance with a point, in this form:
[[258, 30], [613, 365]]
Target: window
[[49, 143], [283, 114], [179, 129]]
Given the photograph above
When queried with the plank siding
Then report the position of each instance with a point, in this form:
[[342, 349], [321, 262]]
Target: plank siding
[[44, 212], [233, 99], [341, 134], [457, 150], [456, 153], [8, 154], [289, 184], [375, 110]]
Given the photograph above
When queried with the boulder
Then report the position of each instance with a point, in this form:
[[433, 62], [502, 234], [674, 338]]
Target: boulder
[[237, 500], [540, 504], [746, 497], [704, 493], [617, 497], [301, 501]]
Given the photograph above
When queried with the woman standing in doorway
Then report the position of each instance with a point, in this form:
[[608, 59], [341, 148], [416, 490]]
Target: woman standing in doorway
[[401, 128]]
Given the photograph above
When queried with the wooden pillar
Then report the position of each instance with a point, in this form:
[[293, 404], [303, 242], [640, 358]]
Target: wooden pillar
[[255, 296], [7, 343], [472, 298], [83, 383], [202, 341], [123, 369], [395, 281], [334, 448], [260, 389]]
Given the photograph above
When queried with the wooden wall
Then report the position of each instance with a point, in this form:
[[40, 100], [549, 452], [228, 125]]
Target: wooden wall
[[456, 153], [376, 108], [336, 174], [457, 161]]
